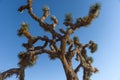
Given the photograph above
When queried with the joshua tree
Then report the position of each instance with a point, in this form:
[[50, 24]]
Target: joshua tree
[[65, 52]]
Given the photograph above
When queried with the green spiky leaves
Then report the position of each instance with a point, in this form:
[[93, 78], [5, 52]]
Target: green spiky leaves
[[94, 10], [75, 38], [53, 56], [68, 17], [93, 46], [85, 18], [24, 27], [68, 20], [76, 41], [89, 59], [27, 59], [68, 42]]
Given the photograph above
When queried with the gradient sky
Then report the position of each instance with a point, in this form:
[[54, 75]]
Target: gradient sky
[[104, 30]]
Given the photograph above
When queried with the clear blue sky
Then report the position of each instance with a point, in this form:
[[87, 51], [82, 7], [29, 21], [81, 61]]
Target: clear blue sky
[[104, 30]]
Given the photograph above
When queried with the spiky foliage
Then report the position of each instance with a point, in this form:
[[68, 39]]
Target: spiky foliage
[[53, 56], [46, 12], [53, 17], [76, 41], [45, 8], [27, 59], [22, 56], [68, 42], [68, 17], [24, 27], [75, 38], [89, 59], [85, 18], [94, 10], [93, 47], [32, 60]]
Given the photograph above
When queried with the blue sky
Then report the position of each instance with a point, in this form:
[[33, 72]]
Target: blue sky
[[104, 30]]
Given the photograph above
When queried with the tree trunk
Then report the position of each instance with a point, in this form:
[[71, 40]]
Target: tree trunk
[[69, 72], [22, 73], [85, 75]]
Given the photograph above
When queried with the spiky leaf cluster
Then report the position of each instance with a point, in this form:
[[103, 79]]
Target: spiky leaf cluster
[[94, 10], [46, 8], [68, 17], [68, 42], [53, 56], [89, 59], [93, 47], [85, 18], [27, 59], [75, 38], [53, 17], [24, 27]]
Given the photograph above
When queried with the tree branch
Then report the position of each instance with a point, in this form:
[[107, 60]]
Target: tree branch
[[62, 31], [45, 26], [55, 21], [22, 8], [31, 12], [41, 51], [9, 73], [77, 68], [41, 47], [70, 48]]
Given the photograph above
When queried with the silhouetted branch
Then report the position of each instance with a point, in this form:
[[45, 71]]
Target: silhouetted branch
[[30, 10], [22, 8], [55, 21], [9, 73], [77, 68], [70, 48], [42, 51], [62, 31]]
